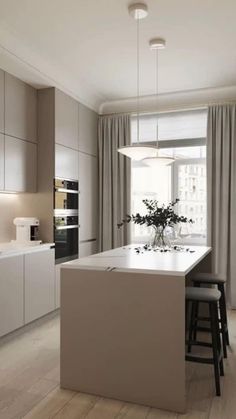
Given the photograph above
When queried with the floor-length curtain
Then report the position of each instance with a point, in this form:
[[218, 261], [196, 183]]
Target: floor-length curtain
[[114, 180], [221, 163]]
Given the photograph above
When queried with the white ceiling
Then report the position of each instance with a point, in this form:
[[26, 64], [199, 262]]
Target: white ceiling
[[87, 47]]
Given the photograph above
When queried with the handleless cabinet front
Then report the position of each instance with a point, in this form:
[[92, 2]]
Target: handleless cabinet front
[[88, 122], [39, 284], [66, 162], [88, 177], [1, 162], [2, 101], [66, 120], [20, 109], [20, 165], [11, 294]]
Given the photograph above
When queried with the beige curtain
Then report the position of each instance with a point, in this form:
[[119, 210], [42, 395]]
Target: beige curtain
[[221, 163], [114, 180]]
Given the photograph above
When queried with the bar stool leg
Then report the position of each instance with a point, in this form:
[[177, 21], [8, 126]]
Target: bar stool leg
[[191, 326], [186, 316], [223, 329], [215, 343], [224, 323], [196, 310], [197, 285], [221, 365]]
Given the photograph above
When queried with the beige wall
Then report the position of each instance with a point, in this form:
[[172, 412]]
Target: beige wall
[[8, 210]]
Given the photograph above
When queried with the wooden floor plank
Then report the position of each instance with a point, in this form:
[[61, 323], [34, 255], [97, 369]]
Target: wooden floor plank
[[105, 408], [50, 405], [132, 411], [78, 407], [29, 384]]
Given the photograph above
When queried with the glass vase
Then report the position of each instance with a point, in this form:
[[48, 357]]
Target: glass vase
[[159, 238]]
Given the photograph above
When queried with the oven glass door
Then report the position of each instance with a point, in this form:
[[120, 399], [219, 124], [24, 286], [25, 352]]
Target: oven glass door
[[66, 243], [66, 200]]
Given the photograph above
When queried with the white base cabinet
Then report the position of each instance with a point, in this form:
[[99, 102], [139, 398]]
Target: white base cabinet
[[57, 286], [1, 161], [39, 284], [11, 294], [87, 248], [27, 288]]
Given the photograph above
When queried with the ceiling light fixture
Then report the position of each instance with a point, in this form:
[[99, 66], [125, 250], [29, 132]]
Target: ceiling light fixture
[[155, 45], [139, 150]]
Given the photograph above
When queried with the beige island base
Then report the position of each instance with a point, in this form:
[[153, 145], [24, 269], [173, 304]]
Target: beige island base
[[123, 325]]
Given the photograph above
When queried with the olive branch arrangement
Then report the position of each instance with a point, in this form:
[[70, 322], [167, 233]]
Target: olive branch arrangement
[[157, 216]]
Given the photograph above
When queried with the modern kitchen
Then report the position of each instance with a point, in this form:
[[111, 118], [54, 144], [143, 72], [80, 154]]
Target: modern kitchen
[[117, 206]]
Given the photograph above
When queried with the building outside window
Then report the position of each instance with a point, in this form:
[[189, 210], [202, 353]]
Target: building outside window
[[183, 136]]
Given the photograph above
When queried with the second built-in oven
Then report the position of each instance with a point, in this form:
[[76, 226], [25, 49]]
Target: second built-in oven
[[66, 219], [66, 230]]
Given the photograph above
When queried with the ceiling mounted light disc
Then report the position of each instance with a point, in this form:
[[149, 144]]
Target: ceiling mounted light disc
[[138, 152], [158, 161], [157, 43], [138, 10]]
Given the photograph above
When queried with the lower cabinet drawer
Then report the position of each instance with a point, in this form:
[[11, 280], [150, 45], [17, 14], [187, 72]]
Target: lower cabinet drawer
[[11, 294], [39, 284]]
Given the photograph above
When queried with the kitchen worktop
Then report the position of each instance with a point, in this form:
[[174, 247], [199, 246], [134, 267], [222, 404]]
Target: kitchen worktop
[[13, 248], [174, 262]]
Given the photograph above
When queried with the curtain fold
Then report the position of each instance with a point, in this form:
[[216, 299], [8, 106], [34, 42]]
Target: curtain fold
[[114, 180], [221, 174]]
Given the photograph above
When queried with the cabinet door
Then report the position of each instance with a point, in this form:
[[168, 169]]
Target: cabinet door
[[66, 120], [20, 165], [1, 162], [1, 101], [87, 248], [57, 285], [39, 284], [11, 294], [66, 162], [20, 109], [88, 121], [88, 198]]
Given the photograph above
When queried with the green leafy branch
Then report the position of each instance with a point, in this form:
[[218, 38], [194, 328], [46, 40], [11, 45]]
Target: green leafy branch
[[157, 216]]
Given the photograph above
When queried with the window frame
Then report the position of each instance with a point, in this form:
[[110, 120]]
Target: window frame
[[180, 143]]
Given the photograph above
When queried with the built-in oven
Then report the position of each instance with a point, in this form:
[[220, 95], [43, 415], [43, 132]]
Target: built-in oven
[[66, 194], [66, 237], [66, 219]]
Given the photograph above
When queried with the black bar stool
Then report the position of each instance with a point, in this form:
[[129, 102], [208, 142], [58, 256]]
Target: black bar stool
[[217, 280], [211, 297]]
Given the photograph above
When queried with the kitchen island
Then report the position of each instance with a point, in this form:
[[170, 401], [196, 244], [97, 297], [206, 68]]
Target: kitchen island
[[123, 324]]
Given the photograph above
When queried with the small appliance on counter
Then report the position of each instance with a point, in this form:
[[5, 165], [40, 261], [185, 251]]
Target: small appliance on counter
[[27, 230]]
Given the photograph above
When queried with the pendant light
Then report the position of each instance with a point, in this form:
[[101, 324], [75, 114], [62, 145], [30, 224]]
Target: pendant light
[[155, 45], [138, 151]]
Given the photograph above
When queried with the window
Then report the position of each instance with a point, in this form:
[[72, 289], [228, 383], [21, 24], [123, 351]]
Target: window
[[183, 136]]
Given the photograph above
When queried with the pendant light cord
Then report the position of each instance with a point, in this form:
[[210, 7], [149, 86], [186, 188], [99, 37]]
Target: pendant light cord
[[138, 77], [157, 95]]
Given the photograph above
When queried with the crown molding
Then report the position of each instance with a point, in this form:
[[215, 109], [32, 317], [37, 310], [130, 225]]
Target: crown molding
[[19, 60], [189, 99]]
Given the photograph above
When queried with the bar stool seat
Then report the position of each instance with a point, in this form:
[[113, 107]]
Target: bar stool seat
[[202, 294], [211, 297], [208, 278], [214, 279]]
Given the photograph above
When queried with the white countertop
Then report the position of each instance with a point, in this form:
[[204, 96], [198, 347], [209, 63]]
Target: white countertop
[[126, 259], [13, 249]]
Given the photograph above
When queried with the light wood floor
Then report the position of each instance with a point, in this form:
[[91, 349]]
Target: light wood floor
[[29, 384]]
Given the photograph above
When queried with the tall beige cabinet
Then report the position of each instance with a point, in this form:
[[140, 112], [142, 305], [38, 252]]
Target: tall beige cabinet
[[18, 135], [68, 150], [88, 181]]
